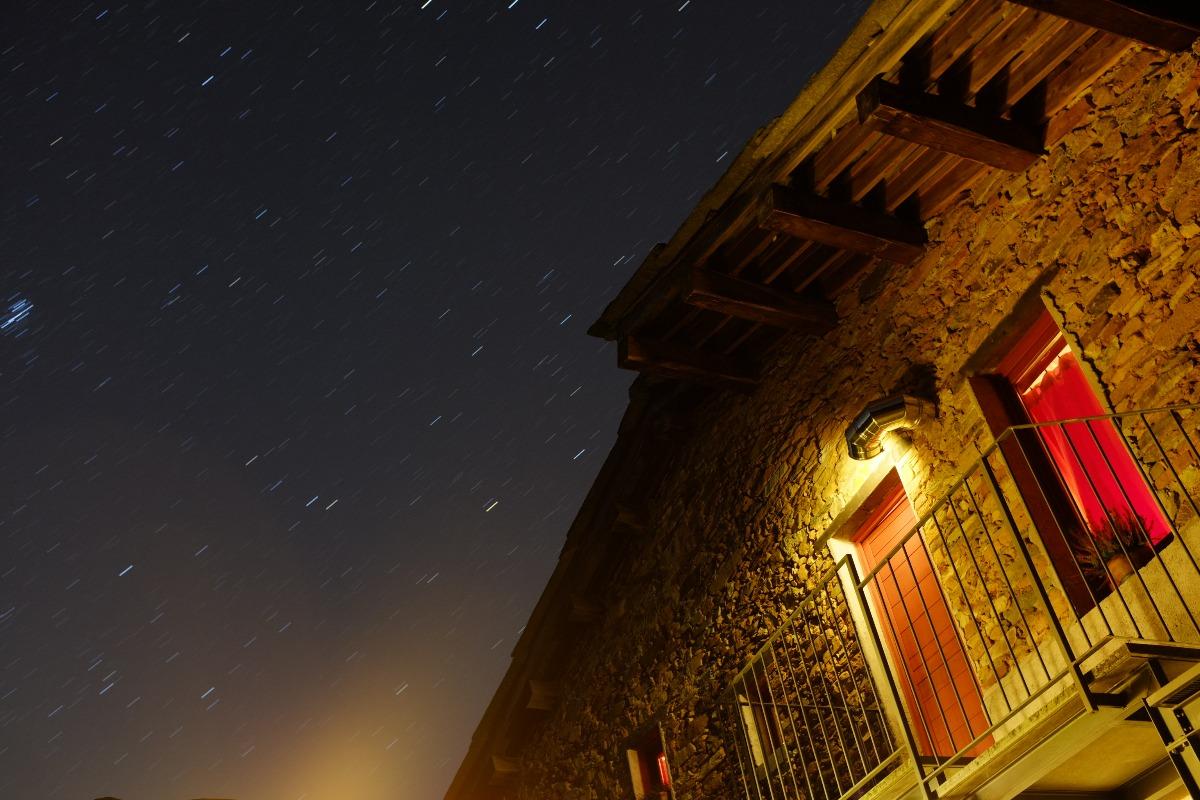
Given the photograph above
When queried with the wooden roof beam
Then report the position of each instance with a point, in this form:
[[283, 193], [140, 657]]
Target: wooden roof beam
[[582, 610], [677, 361], [543, 695], [504, 770], [1158, 23], [757, 303], [842, 225], [948, 126]]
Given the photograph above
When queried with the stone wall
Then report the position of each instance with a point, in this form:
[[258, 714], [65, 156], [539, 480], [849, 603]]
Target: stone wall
[[1109, 223]]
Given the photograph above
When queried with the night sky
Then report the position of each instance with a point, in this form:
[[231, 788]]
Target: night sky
[[296, 401]]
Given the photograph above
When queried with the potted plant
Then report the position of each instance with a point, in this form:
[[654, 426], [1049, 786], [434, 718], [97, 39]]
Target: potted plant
[[1112, 551]]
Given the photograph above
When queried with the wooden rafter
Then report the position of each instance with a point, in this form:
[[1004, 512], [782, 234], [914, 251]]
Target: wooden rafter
[[677, 361], [949, 126], [543, 695], [843, 225], [758, 303], [1171, 26]]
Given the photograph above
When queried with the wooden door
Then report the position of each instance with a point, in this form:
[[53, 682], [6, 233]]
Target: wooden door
[[941, 697]]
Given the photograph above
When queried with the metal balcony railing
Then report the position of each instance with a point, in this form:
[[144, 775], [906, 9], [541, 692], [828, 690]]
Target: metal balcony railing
[[1003, 603]]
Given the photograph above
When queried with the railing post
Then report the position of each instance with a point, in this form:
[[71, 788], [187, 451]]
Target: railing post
[[1039, 584], [910, 743]]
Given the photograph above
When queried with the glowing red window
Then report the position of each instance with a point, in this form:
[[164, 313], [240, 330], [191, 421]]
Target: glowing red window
[[649, 771], [1103, 482], [664, 772]]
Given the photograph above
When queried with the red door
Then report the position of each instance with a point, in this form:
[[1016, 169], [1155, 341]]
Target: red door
[[941, 696]]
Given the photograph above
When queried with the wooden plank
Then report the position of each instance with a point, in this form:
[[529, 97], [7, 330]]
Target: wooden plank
[[820, 268], [833, 281], [847, 147], [944, 192], [842, 225], [631, 518], [582, 610], [878, 166], [748, 248], [948, 126], [757, 303], [992, 55], [1092, 60], [754, 330], [504, 770], [1031, 68], [684, 317], [543, 695], [929, 60], [677, 361], [779, 262], [1164, 25], [918, 174]]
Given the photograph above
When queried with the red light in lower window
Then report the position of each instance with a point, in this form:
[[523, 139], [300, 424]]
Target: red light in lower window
[[664, 774]]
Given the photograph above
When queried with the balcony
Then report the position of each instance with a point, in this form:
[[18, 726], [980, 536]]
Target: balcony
[[1021, 636]]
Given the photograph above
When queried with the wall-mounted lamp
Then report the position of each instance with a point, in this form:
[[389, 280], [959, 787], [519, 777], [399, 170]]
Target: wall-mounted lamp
[[899, 412]]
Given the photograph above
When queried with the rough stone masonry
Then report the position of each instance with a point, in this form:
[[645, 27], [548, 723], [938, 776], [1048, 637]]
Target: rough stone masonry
[[1108, 224]]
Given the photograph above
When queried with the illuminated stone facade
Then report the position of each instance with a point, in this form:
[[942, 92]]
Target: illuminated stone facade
[[732, 521]]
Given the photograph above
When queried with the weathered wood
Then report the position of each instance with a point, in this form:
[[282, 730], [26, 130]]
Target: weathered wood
[[1032, 68], [1163, 24], [758, 303], [543, 695], [676, 361], [582, 611], [948, 126], [631, 518], [1065, 85], [504, 770], [841, 225]]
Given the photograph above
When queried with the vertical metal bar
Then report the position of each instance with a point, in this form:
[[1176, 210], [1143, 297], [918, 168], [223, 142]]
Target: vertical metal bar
[[766, 734], [906, 733], [970, 609], [925, 664], [804, 718], [1059, 633], [1141, 526], [1183, 544], [1178, 420], [857, 689], [829, 748], [1177, 759], [1012, 593], [808, 726], [746, 735], [839, 690], [1064, 534], [937, 640], [736, 707], [1108, 516], [775, 706]]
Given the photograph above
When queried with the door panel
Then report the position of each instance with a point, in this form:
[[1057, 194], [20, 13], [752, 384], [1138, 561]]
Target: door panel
[[940, 694]]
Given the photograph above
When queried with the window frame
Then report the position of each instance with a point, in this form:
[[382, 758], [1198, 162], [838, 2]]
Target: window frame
[[1038, 477], [646, 760]]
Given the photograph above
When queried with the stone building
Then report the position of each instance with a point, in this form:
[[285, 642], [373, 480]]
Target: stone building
[[907, 498]]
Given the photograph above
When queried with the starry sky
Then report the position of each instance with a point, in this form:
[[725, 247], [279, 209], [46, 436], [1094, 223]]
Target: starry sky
[[296, 401]]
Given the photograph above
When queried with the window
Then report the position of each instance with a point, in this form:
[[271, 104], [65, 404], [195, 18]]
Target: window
[[1078, 477], [760, 722], [649, 770]]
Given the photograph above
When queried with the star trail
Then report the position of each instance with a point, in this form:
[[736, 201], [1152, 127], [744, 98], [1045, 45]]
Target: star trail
[[296, 400]]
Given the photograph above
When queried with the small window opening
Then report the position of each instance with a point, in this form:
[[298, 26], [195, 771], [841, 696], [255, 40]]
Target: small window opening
[[760, 719], [649, 767]]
